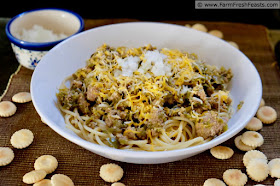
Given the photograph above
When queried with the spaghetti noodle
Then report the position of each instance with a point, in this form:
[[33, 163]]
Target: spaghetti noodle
[[146, 99]]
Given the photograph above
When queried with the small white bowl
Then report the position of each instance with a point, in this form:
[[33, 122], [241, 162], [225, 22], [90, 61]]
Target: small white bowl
[[59, 21], [72, 54]]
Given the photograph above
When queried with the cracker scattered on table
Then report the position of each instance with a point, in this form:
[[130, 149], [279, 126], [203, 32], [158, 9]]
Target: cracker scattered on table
[[118, 184], [254, 124], [22, 97], [7, 109], [252, 154], [267, 114], [200, 27], [235, 177], [214, 182], [277, 182], [111, 172], [274, 171], [221, 152], [22, 138], [217, 33], [6, 156], [34, 176], [262, 103], [47, 163], [274, 168], [234, 44], [44, 182], [257, 169], [61, 180], [241, 146], [273, 162], [252, 138], [188, 25]]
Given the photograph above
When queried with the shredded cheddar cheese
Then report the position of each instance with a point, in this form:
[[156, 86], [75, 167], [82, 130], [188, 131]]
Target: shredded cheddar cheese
[[134, 93]]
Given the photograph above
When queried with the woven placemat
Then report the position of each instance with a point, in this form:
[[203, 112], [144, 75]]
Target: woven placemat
[[83, 166]]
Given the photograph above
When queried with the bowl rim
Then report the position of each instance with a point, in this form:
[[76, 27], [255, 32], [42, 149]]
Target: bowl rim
[[144, 154], [36, 45]]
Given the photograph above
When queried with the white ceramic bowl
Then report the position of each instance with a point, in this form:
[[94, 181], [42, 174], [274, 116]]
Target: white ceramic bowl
[[59, 21], [65, 58]]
